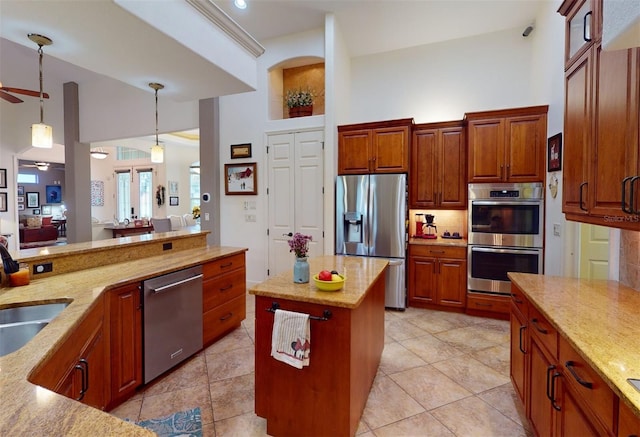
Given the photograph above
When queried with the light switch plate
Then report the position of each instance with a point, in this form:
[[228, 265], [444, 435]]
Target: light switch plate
[[556, 229]]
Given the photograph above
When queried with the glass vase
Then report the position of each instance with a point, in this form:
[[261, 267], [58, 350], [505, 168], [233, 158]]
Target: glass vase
[[301, 270]]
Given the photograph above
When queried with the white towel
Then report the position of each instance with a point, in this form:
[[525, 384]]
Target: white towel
[[291, 338]]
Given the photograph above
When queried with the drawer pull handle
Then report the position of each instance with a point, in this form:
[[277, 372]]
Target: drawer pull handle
[[228, 287], [226, 317], [522, 328], [436, 251], [551, 386], [540, 330], [570, 366], [224, 266], [516, 300], [482, 304]]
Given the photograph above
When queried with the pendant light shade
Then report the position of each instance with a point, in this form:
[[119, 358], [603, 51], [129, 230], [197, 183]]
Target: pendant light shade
[[157, 152], [41, 134], [98, 153]]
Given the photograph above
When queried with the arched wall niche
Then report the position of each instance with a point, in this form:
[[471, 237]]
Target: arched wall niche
[[293, 74]]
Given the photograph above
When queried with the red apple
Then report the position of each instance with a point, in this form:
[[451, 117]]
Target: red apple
[[324, 275]]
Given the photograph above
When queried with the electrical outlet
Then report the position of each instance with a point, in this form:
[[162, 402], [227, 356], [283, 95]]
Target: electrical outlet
[[249, 217], [556, 229], [42, 268], [206, 216]]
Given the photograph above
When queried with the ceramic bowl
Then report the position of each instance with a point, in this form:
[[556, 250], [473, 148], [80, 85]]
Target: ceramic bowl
[[329, 285]]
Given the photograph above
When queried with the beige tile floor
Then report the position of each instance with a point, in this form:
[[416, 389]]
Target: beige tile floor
[[441, 374]]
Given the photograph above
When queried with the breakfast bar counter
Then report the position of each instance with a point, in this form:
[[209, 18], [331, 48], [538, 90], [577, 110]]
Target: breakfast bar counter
[[347, 337]]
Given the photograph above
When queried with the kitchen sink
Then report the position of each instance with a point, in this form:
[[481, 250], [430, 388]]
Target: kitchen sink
[[20, 324]]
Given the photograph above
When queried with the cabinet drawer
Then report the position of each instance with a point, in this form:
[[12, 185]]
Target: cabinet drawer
[[544, 331], [588, 386], [222, 265], [520, 301], [223, 318], [628, 423], [488, 303], [219, 290], [438, 251]]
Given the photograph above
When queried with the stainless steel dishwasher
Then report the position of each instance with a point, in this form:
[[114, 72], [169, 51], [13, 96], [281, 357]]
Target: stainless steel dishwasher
[[172, 320]]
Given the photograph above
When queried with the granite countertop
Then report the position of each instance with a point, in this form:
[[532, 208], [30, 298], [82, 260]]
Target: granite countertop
[[461, 242], [27, 409], [600, 319], [360, 272]]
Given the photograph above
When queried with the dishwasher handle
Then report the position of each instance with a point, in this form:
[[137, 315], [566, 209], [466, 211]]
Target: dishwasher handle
[[174, 284]]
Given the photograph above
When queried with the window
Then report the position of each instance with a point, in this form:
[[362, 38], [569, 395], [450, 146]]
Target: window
[[27, 178], [194, 185], [123, 193], [145, 190]]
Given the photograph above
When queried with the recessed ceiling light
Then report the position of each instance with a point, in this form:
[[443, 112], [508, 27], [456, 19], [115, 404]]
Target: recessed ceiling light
[[240, 4]]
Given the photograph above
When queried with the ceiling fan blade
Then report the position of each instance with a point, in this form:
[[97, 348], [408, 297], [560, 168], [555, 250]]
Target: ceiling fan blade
[[9, 97], [25, 92]]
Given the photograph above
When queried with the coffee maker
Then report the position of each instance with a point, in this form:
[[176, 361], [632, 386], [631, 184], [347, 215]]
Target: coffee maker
[[430, 231]]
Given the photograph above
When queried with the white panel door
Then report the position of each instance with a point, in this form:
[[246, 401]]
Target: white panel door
[[594, 252], [296, 199]]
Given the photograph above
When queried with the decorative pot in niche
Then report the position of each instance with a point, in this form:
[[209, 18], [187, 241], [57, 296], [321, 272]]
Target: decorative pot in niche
[[300, 111]]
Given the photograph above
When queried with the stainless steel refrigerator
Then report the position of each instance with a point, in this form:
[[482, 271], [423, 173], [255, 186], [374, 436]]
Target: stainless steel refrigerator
[[371, 213]]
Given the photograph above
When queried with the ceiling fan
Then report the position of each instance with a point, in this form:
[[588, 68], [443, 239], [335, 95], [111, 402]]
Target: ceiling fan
[[41, 165], [5, 94]]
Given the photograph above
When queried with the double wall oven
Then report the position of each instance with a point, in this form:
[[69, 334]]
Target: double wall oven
[[506, 234]]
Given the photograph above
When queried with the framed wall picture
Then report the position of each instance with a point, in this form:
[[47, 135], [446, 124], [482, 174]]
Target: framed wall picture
[[33, 199], [46, 209], [20, 206], [3, 202], [241, 151], [554, 153], [20, 199], [3, 178], [20, 190], [173, 200], [173, 188], [36, 212], [240, 178], [54, 194]]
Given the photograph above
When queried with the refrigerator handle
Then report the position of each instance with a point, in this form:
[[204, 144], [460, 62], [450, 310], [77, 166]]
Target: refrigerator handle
[[395, 262]]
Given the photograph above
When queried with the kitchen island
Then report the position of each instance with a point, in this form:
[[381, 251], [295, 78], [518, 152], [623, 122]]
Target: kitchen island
[[29, 409], [328, 396]]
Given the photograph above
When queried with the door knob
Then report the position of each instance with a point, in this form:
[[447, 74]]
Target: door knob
[[290, 234]]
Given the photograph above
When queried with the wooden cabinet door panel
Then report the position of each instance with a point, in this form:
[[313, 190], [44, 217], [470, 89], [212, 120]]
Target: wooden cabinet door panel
[[616, 128], [628, 423], [577, 136], [540, 411], [390, 150], [452, 284], [424, 165], [486, 151], [354, 151], [423, 279], [125, 315], [518, 350], [453, 169], [573, 421], [525, 157]]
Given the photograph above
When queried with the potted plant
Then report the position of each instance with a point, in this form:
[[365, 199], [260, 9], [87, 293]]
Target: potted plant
[[300, 102]]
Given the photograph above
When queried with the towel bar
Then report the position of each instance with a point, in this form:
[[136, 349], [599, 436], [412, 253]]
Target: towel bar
[[326, 314]]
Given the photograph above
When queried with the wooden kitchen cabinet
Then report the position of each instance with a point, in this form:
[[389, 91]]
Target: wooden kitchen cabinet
[[124, 322], [601, 176], [628, 423], [438, 175], [77, 369], [561, 394], [223, 296], [437, 276], [507, 145], [583, 27], [378, 147]]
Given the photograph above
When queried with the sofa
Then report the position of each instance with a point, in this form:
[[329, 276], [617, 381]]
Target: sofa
[[34, 229]]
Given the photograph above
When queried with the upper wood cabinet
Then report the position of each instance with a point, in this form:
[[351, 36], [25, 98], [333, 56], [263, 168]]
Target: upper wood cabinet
[[583, 27], [438, 176], [380, 147], [601, 175], [507, 145]]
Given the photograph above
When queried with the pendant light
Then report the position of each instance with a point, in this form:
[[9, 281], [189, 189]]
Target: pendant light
[[41, 134], [157, 152], [98, 153]]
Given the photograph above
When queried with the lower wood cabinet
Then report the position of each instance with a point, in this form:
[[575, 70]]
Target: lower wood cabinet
[[562, 395], [78, 368], [437, 276], [124, 316], [223, 296]]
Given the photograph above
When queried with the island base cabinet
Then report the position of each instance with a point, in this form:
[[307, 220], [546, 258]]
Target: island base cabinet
[[327, 397]]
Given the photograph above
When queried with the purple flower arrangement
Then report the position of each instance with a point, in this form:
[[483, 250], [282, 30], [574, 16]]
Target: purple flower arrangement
[[299, 244]]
